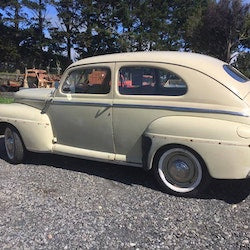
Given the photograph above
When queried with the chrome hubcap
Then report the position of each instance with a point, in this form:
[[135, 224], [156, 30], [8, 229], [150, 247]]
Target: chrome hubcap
[[9, 143], [180, 170]]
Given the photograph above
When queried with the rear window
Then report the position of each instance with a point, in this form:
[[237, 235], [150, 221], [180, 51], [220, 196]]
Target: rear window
[[235, 74], [135, 80]]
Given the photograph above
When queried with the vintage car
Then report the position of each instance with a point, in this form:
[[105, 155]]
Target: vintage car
[[186, 116]]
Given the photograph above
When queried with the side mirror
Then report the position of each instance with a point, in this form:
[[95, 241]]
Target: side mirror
[[56, 85]]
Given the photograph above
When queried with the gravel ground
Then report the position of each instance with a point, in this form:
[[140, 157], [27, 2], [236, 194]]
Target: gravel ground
[[55, 202]]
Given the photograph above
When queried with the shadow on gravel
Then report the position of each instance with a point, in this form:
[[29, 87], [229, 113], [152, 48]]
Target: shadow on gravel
[[230, 191]]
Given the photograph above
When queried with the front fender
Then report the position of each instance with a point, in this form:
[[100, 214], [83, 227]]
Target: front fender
[[33, 126], [224, 151]]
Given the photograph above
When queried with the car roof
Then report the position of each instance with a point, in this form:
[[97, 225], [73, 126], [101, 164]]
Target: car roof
[[188, 59], [206, 64]]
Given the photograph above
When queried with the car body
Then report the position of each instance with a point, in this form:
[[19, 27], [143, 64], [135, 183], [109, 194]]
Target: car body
[[184, 115]]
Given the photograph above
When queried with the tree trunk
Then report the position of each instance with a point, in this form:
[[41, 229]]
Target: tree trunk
[[69, 49], [228, 55], [40, 23], [16, 20]]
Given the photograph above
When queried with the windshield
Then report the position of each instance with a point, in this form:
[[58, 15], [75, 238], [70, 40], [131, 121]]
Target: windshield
[[235, 74]]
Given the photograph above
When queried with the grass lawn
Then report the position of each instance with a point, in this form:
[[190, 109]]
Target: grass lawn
[[6, 100]]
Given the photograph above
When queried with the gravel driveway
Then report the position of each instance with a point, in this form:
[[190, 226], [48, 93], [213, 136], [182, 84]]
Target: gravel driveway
[[55, 202]]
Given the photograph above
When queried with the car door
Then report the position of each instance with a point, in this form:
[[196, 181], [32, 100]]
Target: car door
[[81, 110], [144, 91]]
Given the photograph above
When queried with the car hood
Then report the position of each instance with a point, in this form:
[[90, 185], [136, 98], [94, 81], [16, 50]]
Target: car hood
[[34, 97]]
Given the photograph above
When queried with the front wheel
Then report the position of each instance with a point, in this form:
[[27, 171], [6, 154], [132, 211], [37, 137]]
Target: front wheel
[[181, 171], [14, 146]]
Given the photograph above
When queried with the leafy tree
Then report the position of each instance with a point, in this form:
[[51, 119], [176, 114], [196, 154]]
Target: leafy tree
[[221, 29], [243, 63], [38, 22], [65, 33], [185, 17], [245, 35], [3, 4], [14, 14], [215, 27], [98, 28], [10, 26], [155, 25], [8, 50], [126, 18], [36, 47], [151, 29]]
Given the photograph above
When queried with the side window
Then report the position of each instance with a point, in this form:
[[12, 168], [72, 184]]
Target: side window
[[150, 81], [88, 81]]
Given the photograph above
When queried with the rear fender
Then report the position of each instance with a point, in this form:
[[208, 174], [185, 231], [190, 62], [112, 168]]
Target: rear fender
[[217, 141]]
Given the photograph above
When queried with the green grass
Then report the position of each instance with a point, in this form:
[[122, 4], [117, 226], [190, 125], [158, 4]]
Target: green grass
[[6, 100]]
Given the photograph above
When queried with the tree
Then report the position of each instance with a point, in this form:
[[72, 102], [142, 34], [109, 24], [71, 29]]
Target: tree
[[64, 35], [8, 50], [38, 21], [3, 4], [184, 18], [14, 15], [155, 25], [150, 27], [98, 28], [11, 31], [221, 30], [245, 36], [243, 63]]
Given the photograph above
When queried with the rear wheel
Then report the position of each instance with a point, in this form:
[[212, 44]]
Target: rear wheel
[[14, 146], [181, 171]]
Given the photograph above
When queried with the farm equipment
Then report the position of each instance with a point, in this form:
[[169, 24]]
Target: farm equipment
[[33, 78], [11, 82]]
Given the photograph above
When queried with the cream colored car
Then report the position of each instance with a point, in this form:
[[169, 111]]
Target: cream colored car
[[185, 116]]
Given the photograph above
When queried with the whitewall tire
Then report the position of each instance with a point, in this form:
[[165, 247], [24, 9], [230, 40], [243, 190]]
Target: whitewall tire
[[180, 171], [13, 145]]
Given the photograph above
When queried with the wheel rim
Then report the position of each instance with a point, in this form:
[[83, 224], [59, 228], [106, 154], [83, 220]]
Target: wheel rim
[[9, 143], [180, 170]]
